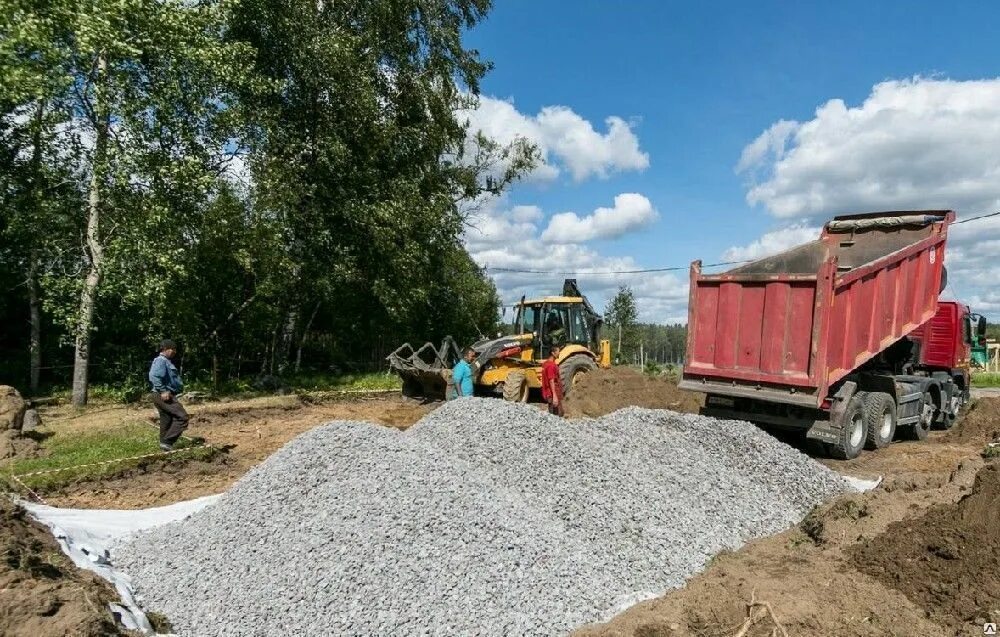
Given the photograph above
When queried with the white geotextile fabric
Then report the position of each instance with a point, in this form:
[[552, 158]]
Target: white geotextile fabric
[[87, 535]]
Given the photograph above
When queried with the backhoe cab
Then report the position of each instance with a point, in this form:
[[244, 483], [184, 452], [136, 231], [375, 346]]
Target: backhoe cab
[[510, 366]]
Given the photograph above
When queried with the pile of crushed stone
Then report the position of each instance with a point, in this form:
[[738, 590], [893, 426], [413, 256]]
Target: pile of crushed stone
[[485, 517]]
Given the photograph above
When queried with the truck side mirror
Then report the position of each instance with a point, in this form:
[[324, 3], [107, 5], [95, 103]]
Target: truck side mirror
[[981, 327]]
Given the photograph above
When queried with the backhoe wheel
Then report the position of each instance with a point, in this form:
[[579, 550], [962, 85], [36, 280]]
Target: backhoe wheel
[[572, 370], [515, 387], [922, 427], [880, 419], [851, 439]]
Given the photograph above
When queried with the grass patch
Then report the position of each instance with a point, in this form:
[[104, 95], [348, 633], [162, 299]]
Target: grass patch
[[104, 393], [986, 379], [356, 382], [76, 455], [991, 451]]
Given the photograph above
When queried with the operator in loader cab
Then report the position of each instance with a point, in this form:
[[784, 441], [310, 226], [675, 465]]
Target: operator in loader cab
[[461, 375]]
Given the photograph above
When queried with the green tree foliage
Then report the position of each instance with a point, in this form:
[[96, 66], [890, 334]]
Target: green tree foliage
[[274, 183], [664, 344], [621, 316]]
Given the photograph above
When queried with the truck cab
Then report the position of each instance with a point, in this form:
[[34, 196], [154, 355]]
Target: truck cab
[[944, 345]]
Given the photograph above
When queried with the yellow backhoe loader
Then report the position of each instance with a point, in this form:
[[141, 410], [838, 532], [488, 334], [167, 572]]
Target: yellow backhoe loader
[[510, 366]]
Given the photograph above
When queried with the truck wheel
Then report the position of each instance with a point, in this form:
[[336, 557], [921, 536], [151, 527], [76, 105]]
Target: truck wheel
[[922, 427], [515, 387], [880, 419], [946, 417], [572, 370], [852, 435]]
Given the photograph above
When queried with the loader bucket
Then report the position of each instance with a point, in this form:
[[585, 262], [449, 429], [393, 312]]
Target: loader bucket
[[426, 371]]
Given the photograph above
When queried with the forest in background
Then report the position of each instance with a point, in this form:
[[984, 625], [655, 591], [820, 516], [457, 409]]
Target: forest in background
[[277, 185]]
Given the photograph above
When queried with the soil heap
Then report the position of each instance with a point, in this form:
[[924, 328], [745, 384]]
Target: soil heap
[[606, 390], [43, 593], [948, 560]]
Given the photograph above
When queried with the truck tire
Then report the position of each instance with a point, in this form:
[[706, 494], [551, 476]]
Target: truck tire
[[854, 432], [947, 417], [922, 427], [880, 419], [515, 387], [572, 369]]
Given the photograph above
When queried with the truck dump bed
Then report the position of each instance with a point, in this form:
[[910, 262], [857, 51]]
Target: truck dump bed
[[787, 327]]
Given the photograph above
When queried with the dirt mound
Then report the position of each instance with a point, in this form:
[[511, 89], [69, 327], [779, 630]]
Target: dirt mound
[[606, 390], [808, 576], [43, 592], [948, 560], [981, 424]]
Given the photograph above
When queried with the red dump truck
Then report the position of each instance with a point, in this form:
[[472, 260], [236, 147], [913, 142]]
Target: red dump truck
[[842, 337]]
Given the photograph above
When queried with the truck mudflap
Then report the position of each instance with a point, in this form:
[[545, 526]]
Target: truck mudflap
[[829, 430]]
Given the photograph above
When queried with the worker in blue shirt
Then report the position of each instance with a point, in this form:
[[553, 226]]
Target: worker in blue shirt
[[461, 375], [166, 382]]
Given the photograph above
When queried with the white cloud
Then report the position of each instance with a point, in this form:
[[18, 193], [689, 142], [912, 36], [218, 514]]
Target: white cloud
[[912, 144], [498, 237], [585, 151], [770, 142], [565, 139], [919, 143], [526, 214], [772, 243], [630, 211]]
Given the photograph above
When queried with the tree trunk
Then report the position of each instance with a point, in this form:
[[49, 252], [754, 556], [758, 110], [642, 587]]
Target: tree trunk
[[95, 248], [271, 350], [287, 336], [305, 335], [215, 369], [34, 303], [34, 308]]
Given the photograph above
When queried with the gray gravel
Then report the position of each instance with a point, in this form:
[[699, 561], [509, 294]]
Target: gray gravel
[[485, 518]]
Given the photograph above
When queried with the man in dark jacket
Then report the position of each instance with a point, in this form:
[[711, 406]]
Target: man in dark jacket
[[167, 385]]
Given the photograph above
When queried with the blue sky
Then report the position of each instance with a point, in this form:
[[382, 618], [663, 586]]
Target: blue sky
[[699, 83]]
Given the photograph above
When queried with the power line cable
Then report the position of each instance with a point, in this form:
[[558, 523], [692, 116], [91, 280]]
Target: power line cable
[[991, 214], [675, 268], [597, 272]]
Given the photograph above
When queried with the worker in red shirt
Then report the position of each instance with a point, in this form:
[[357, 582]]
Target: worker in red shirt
[[552, 390]]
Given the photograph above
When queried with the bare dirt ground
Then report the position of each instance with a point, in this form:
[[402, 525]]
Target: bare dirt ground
[[41, 591], [247, 431]]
